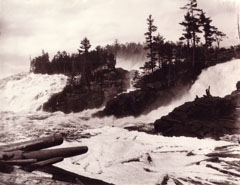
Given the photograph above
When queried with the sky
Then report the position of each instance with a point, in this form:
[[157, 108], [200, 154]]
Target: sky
[[28, 26]]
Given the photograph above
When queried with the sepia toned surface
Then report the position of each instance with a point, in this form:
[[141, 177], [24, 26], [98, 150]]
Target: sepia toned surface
[[138, 92]]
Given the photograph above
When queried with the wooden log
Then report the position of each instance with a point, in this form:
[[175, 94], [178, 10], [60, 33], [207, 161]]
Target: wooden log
[[53, 153], [5, 168], [21, 162], [15, 155], [20, 177], [41, 164], [36, 144], [70, 177], [6, 155], [223, 155], [223, 171]]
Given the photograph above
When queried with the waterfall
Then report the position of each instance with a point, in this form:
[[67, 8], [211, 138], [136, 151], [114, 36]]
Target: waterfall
[[27, 91]]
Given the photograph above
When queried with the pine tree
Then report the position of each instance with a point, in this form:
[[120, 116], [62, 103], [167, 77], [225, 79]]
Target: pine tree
[[207, 29], [116, 48], [159, 47], [151, 64], [218, 35], [187, 24], [85, 46], [192, 25]]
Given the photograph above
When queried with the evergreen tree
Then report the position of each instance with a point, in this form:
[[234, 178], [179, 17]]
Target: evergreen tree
[[159, 47], [187, 24], [219, 36], [208, 30], [192, 25], [85, 46], [151, 64], [116, 47]]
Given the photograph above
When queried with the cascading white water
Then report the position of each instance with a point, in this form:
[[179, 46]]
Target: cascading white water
[[27, 92], [221, 78]]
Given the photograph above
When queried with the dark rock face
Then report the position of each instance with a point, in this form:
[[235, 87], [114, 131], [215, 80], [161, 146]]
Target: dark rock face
[[74, 100], [133, 103], [205, 117], [139, 102], [102, 86]]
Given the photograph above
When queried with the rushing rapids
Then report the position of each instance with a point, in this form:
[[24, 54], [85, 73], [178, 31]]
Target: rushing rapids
[[115, 154], [27, 92]]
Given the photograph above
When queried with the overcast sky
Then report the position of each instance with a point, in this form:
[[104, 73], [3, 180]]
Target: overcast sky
[[28, 26]]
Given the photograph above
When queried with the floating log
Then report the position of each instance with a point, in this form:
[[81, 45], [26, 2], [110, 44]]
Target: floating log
[[36, 144], [53, 153]]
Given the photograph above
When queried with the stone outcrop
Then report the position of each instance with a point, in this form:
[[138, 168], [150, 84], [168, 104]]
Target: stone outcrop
[[130, 104], [99, 88], [136, 103], [204, 117], [141, 101]]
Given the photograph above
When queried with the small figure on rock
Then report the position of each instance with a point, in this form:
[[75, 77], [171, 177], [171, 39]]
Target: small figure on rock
[[208, 94]]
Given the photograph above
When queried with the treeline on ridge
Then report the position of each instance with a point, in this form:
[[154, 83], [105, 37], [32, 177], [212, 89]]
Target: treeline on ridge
[[75, 63]]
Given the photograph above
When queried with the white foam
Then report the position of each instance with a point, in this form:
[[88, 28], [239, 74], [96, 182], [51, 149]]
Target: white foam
[[27, 92]]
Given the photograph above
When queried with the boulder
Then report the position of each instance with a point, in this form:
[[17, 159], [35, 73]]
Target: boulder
[[204, 117], [138, 102], [129, 104]]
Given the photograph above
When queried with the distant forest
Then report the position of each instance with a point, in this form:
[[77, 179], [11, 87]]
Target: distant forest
[[76, 63]]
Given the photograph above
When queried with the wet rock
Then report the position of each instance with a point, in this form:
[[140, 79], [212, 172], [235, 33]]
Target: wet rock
[[205, 117], [141, 102], [132, 103], [136, 103]]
